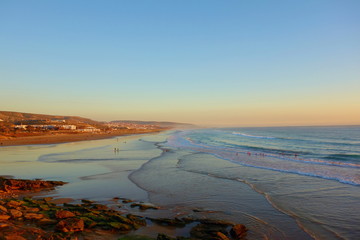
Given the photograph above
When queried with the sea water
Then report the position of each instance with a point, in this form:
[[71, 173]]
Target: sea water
[[311, 174]]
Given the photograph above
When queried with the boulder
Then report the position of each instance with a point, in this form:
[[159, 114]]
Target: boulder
[[14, 237], [4, 217], [33, 216], [64, 214], [207, 231], [30, 209], [86, 201], [120, 226], [46, 222], [14, 204], [15, 213], [221, 236], [3, 209], [70, 225], [238, 231], [3, 225]]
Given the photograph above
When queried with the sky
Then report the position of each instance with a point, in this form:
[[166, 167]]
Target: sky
[[206, 62]]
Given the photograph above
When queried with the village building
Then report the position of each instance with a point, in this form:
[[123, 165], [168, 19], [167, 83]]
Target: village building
[[88, 129], [20, 126], [67, 127], [45, 127], [58, 120]]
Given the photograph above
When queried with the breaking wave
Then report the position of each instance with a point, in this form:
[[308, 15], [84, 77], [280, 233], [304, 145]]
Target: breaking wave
[[252, 136], [344, 172]]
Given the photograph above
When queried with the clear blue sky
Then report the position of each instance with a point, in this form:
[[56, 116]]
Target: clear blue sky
[[205, 62]]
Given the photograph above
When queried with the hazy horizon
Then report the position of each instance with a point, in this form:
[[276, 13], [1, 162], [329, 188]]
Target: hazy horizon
[[209, 63]]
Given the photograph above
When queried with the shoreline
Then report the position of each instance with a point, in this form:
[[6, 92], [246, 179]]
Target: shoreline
[[55, 138]]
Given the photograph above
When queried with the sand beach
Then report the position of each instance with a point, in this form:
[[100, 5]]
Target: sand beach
[[55, 137]]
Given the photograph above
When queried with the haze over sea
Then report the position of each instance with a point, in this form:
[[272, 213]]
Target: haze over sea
[[282, 182]]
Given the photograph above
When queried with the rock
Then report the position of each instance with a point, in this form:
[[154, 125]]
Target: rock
[[143, 206], [32, 210], [89, 223], [169, 222], [238, 231], [64, 214], [9, 185], [215, 222], [33, 216], [70, 225], [14, 237], [3, 209], [3, 225], [14, 204], [222, 236], [136, 220], [99, 207], [44, 207], [4, 217], [87, 201], [161, 236], [48, 199], [120, 226], [207, 231], [15, 213], [46, 222]]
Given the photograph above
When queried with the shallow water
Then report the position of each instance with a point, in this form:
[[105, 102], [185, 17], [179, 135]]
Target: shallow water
[[92, 168], [276, 195]]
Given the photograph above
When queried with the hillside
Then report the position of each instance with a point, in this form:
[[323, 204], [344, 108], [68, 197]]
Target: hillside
[[18, 117]]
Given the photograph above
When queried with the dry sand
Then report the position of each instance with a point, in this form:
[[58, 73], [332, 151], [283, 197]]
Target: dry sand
[[51, 138]]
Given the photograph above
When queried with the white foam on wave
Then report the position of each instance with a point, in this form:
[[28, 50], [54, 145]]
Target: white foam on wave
[[314, 168], [252, 136]]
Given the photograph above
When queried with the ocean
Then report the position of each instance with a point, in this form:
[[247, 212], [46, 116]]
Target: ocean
[[281, 182], [311, 174]]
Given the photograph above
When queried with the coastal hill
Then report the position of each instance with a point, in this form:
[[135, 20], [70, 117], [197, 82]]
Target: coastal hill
[[19, 117], [21, 120]]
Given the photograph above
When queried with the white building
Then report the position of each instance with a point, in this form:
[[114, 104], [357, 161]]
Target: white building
[[88, 129], [21, 126], [67, 127]]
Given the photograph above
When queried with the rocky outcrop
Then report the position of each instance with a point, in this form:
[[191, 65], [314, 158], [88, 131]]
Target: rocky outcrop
[[42, 219], [21, 185], [70, 225]]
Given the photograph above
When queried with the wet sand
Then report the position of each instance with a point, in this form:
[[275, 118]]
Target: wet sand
[[51, 138]]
